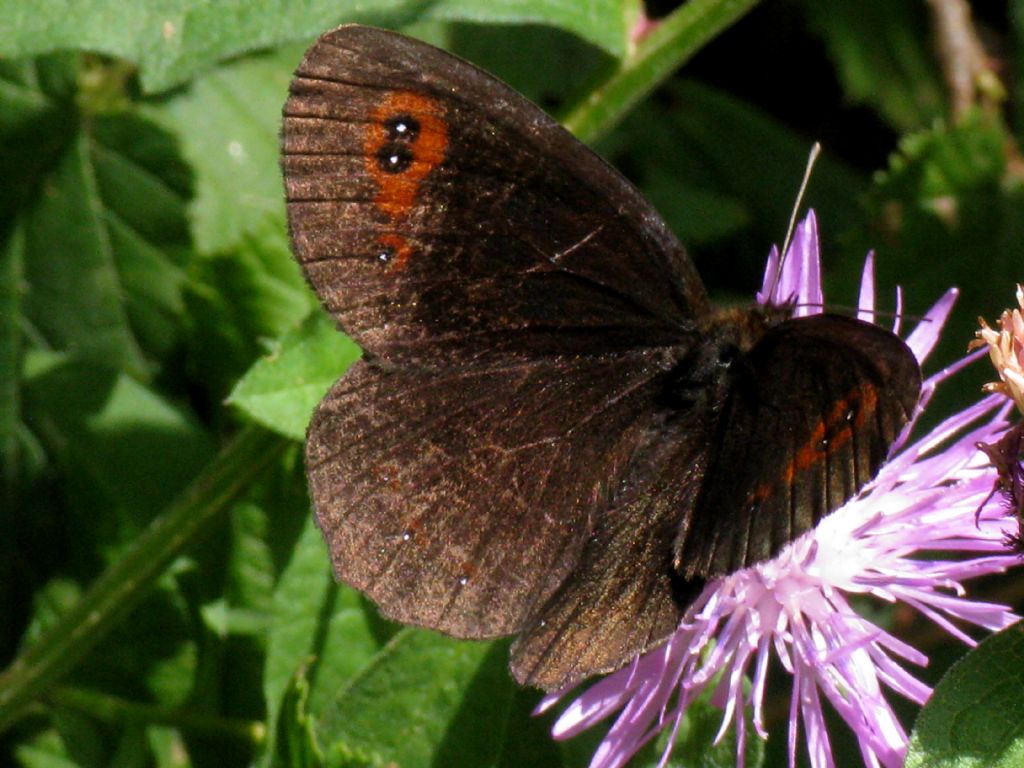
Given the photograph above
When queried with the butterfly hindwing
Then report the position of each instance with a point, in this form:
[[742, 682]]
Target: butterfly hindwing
[[624, 596], [460, 499], [441, 217], [810, 416]]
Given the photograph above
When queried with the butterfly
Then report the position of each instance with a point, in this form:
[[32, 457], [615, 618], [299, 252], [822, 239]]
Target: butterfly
[[552, 433]]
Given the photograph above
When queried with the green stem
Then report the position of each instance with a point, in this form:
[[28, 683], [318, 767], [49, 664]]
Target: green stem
[[115, 710], [676, 38], [120, 588]]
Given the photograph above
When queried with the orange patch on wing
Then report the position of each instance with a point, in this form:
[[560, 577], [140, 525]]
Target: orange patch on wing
[[829, 434], [397, 190], [399, 249], [835, 430]]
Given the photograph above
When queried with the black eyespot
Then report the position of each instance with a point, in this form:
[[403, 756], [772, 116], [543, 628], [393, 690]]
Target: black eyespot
[[404, 128], [394, 157], [385, 254]]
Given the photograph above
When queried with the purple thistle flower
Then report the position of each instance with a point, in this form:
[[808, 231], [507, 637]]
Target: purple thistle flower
[[882, 543]]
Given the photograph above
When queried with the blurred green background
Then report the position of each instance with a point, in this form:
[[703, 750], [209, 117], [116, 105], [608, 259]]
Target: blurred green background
[[156, 337]]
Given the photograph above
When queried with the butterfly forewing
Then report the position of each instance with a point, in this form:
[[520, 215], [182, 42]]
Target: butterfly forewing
[[441, 216]]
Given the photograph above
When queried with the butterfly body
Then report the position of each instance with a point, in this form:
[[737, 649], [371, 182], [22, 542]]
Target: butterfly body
[[553, 432]]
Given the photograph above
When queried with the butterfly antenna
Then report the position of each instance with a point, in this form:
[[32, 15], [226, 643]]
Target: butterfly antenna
[[811, 160]]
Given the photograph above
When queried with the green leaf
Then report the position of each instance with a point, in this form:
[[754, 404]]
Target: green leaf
[[125, 450], [885, 57], [134, 720], [225, 620], [250, 587], [153, 654], [153, 657], [83, 737], [975, 717], [45, 750], [49, 603], [97, 205], [77, 302], [37, 122], [142, 185], [317, 626], [730, 185], [103, 243], [548, 65], [296, 736], [282, 390], [234, 575], [239, 302], [336, 633], [174, 39], [127, 581], [12, 255], [525, 737], [605, 23], [424, 700], [228, 122], [91, 216]]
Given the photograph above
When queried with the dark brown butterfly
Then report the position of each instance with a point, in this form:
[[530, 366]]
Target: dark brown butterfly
[[553, 433]]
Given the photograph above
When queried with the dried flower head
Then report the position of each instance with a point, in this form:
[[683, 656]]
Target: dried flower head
[[1006, 350]]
